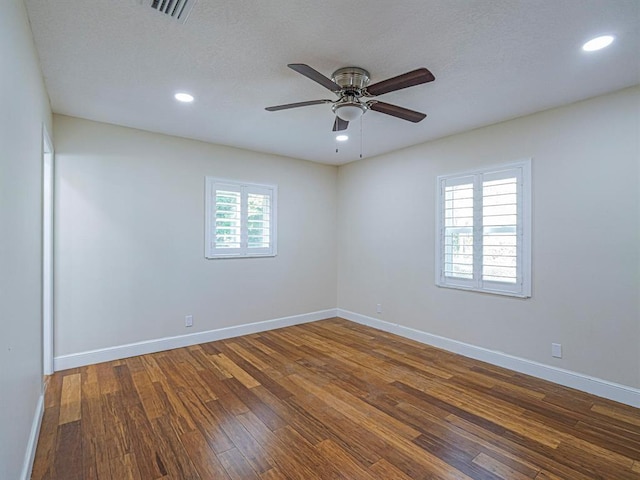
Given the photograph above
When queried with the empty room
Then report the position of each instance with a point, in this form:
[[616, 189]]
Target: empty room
[[303, 240]]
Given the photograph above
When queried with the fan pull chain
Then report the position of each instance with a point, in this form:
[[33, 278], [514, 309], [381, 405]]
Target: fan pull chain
[[361, 136]]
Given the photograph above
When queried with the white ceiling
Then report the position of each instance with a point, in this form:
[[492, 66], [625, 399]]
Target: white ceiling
[[120, 62]]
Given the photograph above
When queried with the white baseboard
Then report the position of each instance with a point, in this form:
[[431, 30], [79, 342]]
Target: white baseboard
[[32, 444], [74, 360], [596, 386]]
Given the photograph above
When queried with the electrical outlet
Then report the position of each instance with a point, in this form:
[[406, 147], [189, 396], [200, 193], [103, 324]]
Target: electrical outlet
[[379, 308], [188, 321], [556, 350]]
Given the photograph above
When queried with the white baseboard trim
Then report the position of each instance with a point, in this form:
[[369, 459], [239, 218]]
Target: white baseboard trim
[[596, 386], [74, 360], [32, 444]]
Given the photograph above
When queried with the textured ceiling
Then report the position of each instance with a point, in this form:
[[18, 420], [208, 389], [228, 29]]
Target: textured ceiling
[[120, 62]]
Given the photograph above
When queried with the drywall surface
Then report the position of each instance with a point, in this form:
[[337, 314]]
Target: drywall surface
[[25, 106], [586, 237], [129, 241]]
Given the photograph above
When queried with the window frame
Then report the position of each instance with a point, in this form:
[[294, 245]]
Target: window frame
[[212, 185], [522, 287]]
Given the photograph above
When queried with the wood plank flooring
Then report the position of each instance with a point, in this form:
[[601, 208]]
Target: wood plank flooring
[[326, 400]]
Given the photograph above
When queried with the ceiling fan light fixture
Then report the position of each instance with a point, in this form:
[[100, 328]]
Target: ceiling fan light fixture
[[350, 111]]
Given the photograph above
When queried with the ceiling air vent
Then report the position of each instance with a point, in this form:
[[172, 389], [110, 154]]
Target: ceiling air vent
[[176, 9]]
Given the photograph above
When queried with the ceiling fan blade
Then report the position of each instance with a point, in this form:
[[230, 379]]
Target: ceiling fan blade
[[396, 111], [409, 79], [316, 76], [295, 105], [340, 124]]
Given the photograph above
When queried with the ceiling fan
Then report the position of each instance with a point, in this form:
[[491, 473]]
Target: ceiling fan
[[350, 84]]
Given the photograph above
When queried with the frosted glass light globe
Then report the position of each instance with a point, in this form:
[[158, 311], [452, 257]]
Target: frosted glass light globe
[[349, 112]]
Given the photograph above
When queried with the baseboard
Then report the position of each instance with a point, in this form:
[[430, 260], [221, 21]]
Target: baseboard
[[32, 444], [74, 360], [596, 386]]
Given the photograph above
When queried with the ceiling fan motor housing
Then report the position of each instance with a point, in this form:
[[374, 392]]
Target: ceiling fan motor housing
[[353, 80]]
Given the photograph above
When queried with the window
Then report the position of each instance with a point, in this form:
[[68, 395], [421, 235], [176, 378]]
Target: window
[[484, 230], [241, 219]]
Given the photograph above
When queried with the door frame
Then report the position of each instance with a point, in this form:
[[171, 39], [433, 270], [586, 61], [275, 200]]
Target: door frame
[[48, 171]]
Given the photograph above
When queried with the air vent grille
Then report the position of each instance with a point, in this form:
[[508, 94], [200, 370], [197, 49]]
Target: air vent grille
[[176, 9]]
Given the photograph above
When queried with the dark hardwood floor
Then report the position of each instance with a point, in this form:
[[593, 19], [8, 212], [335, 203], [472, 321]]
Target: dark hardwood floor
[[329, 399]]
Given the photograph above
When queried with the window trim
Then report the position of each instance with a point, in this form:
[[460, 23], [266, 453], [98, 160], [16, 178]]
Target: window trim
[[522, 288], [245, 188]]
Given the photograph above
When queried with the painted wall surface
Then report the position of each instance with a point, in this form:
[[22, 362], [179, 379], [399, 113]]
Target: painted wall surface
[[25, 106], [586, 238], [129, 241]]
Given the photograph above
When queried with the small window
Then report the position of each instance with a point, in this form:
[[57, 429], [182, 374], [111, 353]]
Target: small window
[[241, 219], [484, 230]]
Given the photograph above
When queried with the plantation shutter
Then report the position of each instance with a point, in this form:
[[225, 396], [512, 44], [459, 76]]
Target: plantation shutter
[[240, 219], [259, 222], [501, 226], [483, 230], [227, 218], [458, 231]]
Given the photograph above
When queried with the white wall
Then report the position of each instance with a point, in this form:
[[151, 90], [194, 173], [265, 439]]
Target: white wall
[[586, 237], [130, 238], [25, 106]]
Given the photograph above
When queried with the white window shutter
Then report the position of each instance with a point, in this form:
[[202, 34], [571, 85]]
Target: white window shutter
[[227, 228], [240, 219], [457, 230], [483, 229], [259, 223]]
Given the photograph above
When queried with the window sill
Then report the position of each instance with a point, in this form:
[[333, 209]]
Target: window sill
[[221, 257], [503, 293]]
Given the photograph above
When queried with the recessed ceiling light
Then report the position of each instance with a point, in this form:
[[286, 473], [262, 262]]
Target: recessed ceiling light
[[183, 97], [342, 138], [597, 43]]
